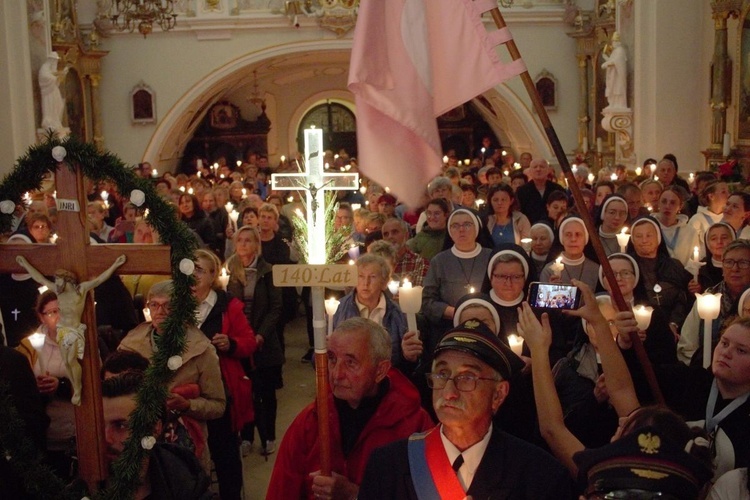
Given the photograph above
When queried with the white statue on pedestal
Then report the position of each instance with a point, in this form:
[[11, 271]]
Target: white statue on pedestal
[[617, 75], [53, 103]]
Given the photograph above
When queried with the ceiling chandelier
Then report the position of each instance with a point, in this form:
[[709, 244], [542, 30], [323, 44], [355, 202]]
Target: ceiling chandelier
[[143, 14]]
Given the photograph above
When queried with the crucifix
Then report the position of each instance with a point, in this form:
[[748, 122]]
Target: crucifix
[[316, 181], [74, 253]]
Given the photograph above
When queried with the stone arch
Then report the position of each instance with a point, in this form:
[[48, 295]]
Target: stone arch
[[512, 120]]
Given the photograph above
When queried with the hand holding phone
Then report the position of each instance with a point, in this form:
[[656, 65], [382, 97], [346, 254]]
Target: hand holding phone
[[554, 296]]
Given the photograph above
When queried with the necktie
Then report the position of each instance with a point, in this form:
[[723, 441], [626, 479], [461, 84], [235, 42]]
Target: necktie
[[458, 463]]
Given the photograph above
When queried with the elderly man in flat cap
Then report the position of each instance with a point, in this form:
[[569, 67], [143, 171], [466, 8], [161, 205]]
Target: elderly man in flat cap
[[466, 456]]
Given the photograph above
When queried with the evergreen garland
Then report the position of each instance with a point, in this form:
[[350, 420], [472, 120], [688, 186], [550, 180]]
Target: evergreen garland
[[335, 239], [27, 175]]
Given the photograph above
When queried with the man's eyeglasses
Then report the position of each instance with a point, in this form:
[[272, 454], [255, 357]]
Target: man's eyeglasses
[[464, 383], [515, 278], [465, 225], [154, 306], [730, 263], [51, 312]]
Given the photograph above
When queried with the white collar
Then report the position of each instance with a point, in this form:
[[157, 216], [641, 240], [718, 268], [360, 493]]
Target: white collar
[[505, 303], [472, 456], [716, 263], [572, 262], [539, 257], [360, 305], [466, 255], [606, 235]]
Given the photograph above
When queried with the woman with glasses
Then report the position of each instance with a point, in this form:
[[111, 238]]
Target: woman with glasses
[[664, 278], [736, 273], [455, 272], [251, 282], [679, 237], [54, 386], [717, 238], [509, 274], [611, 220], [430, 240], [505, 222]]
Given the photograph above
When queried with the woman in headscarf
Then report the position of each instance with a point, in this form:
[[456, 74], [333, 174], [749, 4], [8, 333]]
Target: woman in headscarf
[[612, 218], [455, 272], [717, 238], [542, 238], [508, 274], [574, 237], [664, 278]]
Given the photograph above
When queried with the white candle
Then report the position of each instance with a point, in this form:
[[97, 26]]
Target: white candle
[[652, 166], [154, 173], [53, 238], [696, 254], [356, 206], [445, 158], [332, 305], [709, 306], [283, 158], [239, 163], [199, 163], [190, 190], [613, 177], [37, 342], [104, 195], [244, 193], [591, 178], [42, 289], [146, 314], [393, 287], [557, 267], [224, 278], [353, 252], [691, 177], [638, 171], [622, 239], [643, 316], [410, 301], [727, 149], [599, 147], [585, 147], [234, 214], [229, 207], [516, 343]]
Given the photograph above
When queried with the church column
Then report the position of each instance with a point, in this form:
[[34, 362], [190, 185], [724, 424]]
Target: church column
[[96, 114], [583, 99], [721, 69]]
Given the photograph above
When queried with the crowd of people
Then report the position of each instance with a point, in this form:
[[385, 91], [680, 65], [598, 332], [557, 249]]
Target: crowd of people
[[570, 410]]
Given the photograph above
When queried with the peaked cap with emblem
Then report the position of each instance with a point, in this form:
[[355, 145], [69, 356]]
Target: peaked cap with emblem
[[642, 460], [473, 337]]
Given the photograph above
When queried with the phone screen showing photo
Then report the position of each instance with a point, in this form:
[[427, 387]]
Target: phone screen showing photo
[[554, 296]]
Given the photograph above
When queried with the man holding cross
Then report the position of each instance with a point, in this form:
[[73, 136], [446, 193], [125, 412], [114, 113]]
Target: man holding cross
[[371, 405]]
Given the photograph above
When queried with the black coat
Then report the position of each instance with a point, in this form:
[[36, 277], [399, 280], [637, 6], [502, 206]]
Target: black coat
[[510, 469], [534, 205]]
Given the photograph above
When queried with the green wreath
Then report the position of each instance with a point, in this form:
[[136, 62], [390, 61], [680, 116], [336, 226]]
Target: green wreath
[[27, 175]]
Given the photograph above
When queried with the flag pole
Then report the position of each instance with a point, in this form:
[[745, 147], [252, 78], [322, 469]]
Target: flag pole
[[615, 293]]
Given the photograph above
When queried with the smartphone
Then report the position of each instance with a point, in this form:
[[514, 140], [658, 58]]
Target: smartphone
[[554, 296]]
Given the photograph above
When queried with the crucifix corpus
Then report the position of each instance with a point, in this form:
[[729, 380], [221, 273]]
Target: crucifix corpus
[[74, 253], [316, 273]]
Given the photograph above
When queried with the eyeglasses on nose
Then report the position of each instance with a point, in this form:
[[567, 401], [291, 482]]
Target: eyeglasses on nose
[[154, 306], [465, 225], [463, 383]]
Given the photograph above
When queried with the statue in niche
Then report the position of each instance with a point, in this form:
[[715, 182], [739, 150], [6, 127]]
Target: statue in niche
[[53, 104], [71, 298], [616, 67]]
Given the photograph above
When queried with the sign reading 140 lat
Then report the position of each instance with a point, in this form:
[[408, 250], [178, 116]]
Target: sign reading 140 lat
[[314, 275]]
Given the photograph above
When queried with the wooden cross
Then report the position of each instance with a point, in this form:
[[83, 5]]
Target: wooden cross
[[74, 253]]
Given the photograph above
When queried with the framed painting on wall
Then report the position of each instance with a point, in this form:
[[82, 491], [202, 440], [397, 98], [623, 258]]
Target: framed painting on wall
[[142, 104]]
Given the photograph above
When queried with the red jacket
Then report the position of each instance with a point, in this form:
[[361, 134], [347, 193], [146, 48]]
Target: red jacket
[[398, 416], [234, 324]]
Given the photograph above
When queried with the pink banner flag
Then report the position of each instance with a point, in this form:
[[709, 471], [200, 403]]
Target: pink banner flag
[[413, 60]]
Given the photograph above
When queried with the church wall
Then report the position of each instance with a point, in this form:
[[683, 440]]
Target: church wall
[[673, 48]]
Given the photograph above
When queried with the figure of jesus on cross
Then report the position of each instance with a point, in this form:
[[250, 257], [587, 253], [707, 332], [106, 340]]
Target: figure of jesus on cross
[[71, 297]]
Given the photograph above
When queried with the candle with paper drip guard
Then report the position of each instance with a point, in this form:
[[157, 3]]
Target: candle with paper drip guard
[[224, 278], [643, 316], [709, 306], [622, 239], [526, 244], [147, 314], [233, 215], [557, 267], [353, 252], [696, 263], [410, 301], [516, 343], [332, 305]]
